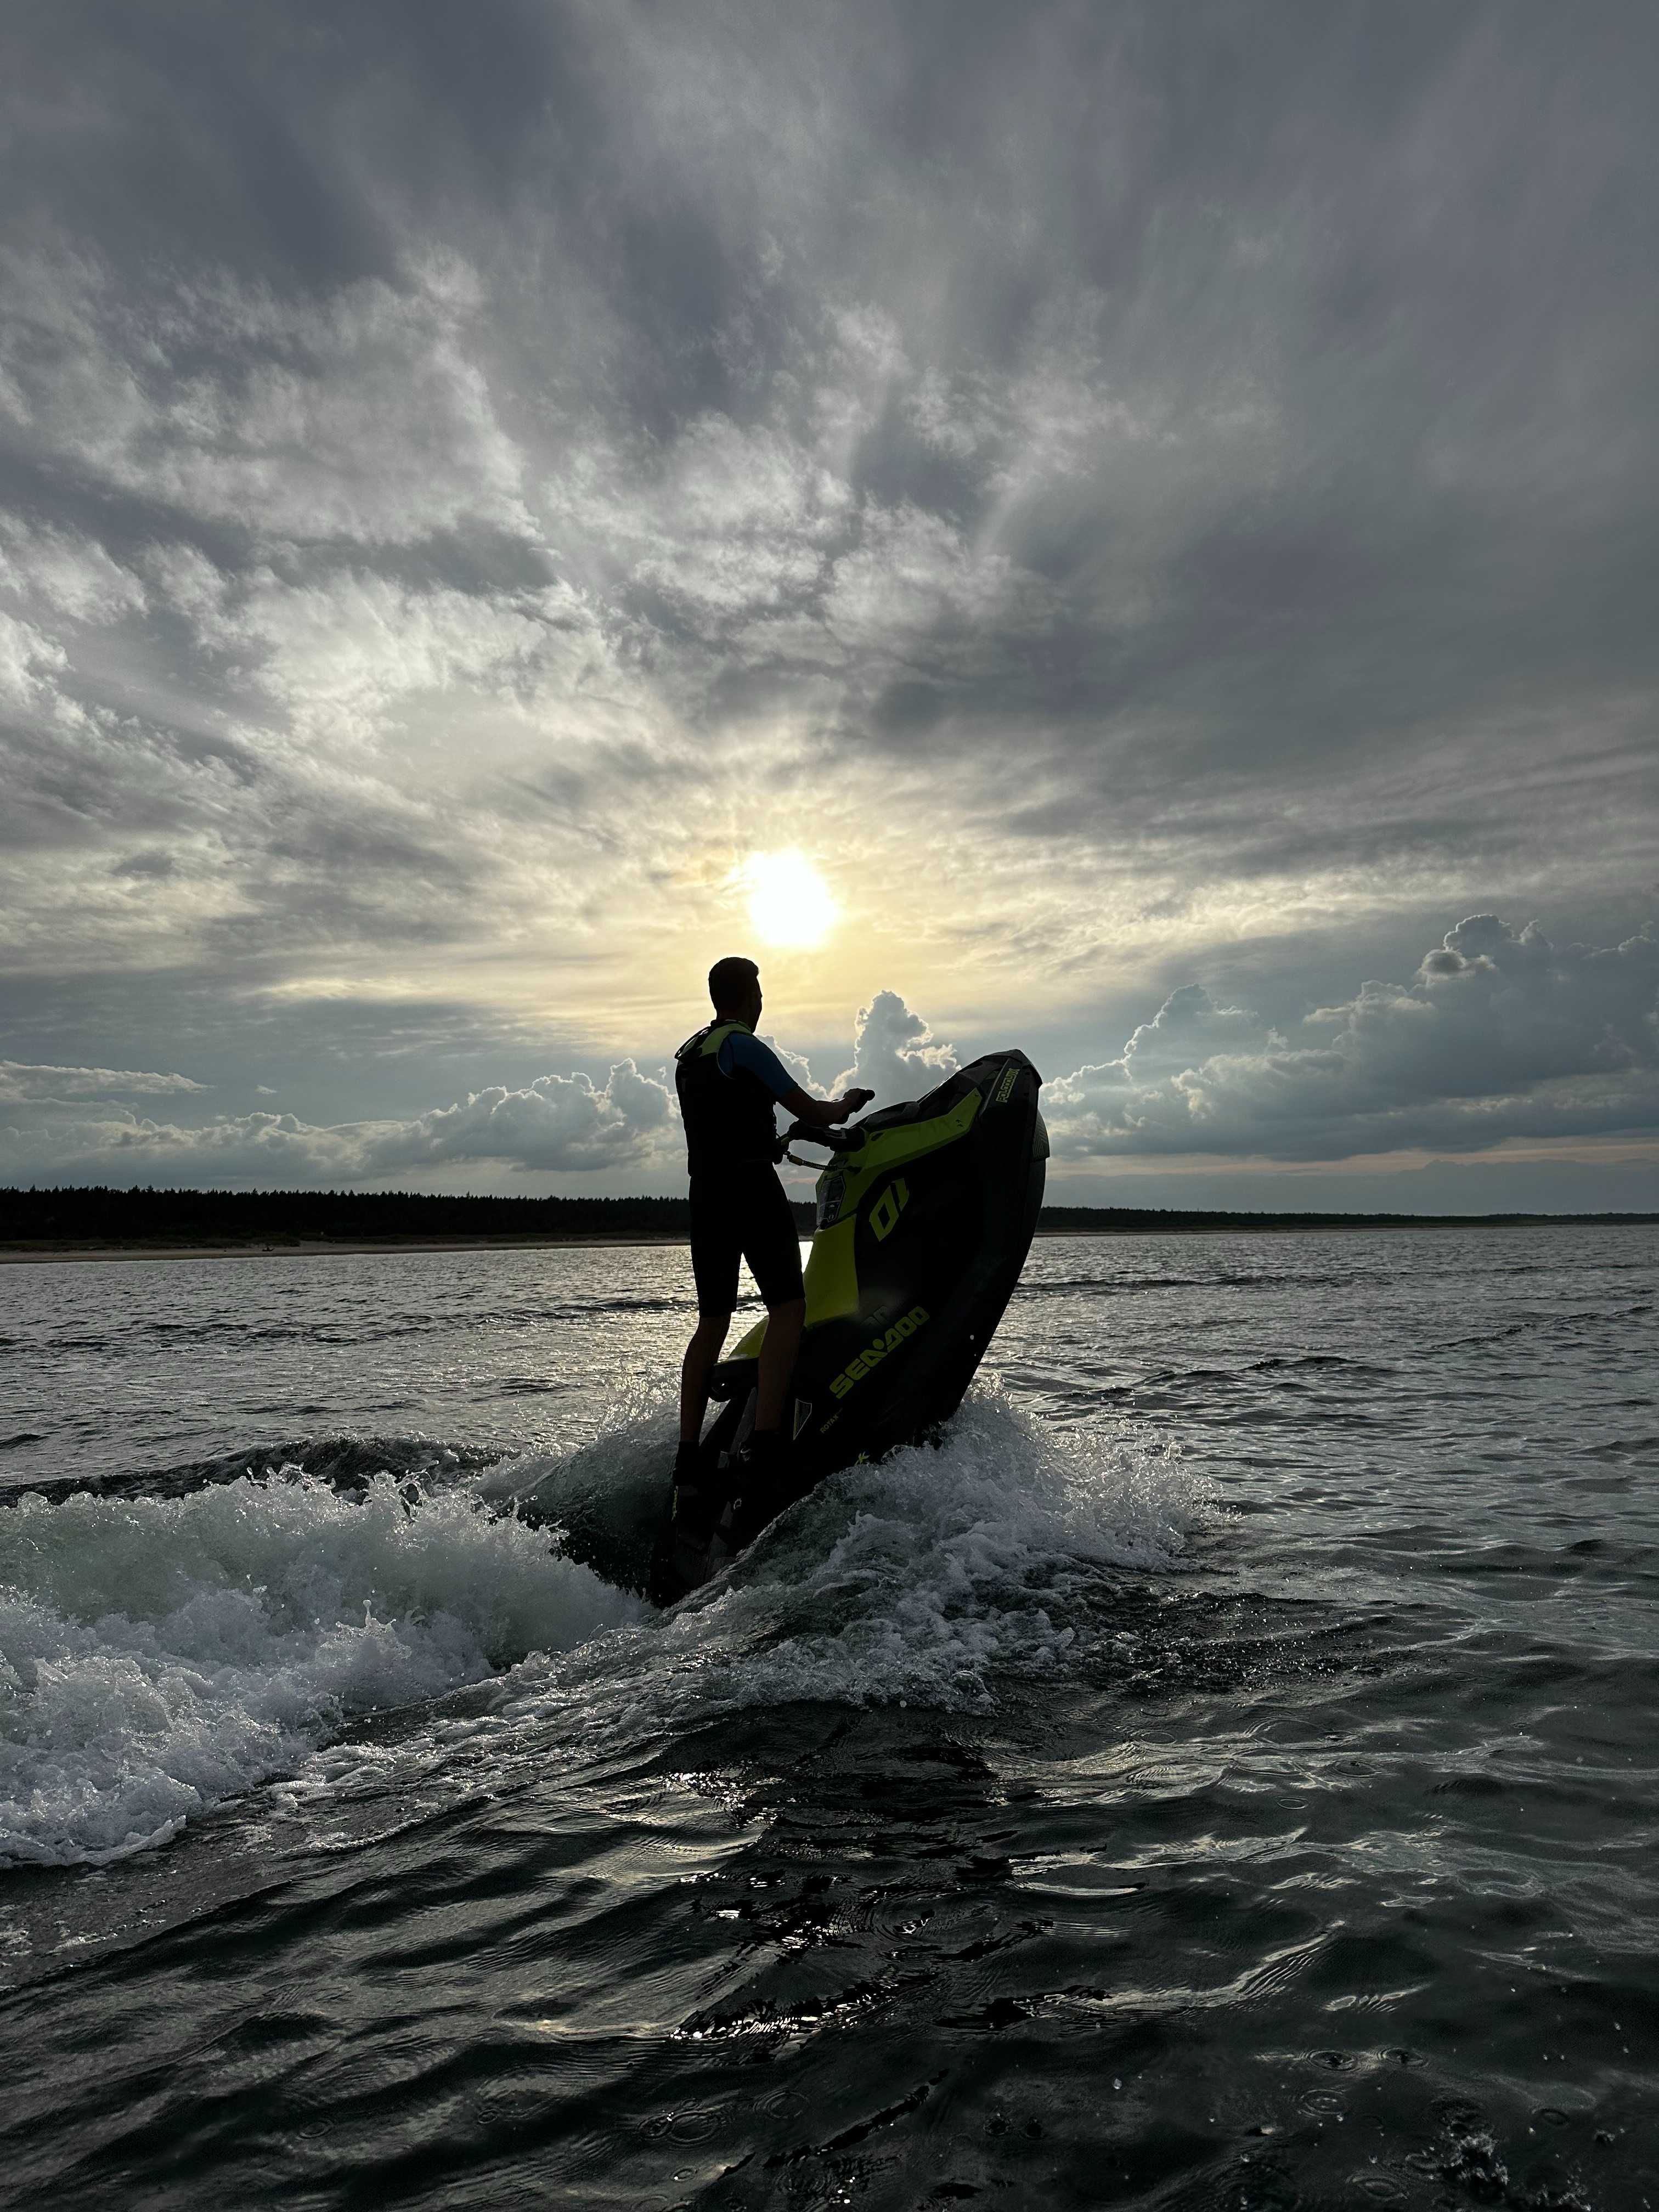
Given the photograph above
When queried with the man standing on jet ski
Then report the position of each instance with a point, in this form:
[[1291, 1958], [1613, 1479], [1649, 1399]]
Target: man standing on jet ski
[[729, 1084]]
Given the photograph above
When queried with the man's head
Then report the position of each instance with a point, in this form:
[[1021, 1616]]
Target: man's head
[[734, 986]]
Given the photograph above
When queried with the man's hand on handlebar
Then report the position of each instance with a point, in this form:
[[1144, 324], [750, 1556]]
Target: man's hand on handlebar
[[824, 1113]]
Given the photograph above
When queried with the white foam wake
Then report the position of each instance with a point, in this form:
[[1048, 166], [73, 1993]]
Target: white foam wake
[[158, 1655], [925, 1578]]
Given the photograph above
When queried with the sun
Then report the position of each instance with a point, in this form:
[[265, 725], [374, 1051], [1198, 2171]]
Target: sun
[[789, 902]]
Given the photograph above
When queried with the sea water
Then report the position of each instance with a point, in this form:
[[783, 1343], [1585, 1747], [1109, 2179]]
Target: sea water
[[1221, 1772]]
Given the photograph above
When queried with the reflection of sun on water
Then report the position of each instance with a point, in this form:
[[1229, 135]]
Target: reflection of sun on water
[[789, 902]]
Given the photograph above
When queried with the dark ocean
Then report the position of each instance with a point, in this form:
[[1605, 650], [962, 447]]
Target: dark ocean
[[1222, 1775]]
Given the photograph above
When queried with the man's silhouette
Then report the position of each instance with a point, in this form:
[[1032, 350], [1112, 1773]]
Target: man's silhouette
[[729, 1084]]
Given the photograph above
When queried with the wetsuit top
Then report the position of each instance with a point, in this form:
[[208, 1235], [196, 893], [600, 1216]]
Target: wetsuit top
[[728, 1082]]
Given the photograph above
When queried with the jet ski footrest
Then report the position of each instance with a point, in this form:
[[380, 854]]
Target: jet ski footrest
[[733, 1378]]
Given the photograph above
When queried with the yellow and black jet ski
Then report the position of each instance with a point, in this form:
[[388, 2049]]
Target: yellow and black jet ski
[[925, 1217]]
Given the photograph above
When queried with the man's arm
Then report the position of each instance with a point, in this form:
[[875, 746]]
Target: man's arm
[[824, 1113], [743, 1050]]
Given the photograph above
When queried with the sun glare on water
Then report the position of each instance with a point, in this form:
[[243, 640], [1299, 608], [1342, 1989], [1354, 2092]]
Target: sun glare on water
[[789, 902]]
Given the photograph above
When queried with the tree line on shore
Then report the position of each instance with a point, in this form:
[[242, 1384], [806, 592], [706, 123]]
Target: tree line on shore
[[100, 1216], [96, 1215]]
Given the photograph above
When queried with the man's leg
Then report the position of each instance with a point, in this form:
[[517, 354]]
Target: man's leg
[[777, 1363], [696, 1368]]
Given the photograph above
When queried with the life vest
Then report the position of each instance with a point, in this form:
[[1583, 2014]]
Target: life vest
[[728, 1118]]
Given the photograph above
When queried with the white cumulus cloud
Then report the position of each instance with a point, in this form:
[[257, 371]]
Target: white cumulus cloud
[[559, 1123], [894, 1053], [1499, 1033]]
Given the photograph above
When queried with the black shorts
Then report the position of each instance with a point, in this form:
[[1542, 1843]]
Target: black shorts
[[742, 1211]]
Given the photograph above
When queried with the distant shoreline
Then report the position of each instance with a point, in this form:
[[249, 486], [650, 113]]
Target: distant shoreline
[[96, 1222], [24, 1252]]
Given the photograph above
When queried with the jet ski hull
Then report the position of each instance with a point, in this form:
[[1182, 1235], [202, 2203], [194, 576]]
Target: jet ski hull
[[924, 1222]]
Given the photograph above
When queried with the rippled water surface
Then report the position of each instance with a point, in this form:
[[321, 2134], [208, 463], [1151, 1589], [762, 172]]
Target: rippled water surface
[[1223, 1773]]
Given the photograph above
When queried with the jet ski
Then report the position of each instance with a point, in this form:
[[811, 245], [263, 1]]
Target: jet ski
[[925, 1215]]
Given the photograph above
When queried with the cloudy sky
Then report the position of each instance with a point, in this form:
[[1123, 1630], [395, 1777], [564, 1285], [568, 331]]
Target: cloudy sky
[[1129, 530]]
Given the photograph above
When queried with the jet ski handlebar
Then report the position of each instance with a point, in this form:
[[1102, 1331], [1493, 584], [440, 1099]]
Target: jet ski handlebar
[[833, 1140]]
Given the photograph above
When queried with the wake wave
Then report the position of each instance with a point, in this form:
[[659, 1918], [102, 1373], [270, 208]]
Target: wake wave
[[159, 1655], [347, 1463], [927, 1579], [922, 1579]]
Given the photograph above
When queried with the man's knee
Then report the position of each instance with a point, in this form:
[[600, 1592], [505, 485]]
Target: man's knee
[[786, 1310], [713, 1324]]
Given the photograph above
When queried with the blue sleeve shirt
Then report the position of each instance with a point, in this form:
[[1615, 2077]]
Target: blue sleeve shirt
[[742, 1050]]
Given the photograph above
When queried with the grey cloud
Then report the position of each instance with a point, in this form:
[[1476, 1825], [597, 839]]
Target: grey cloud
[[556, 1124], [336, 1053], [237, 407], [1500, 1034], [67, 573], [151, 864], [21, 1082]]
